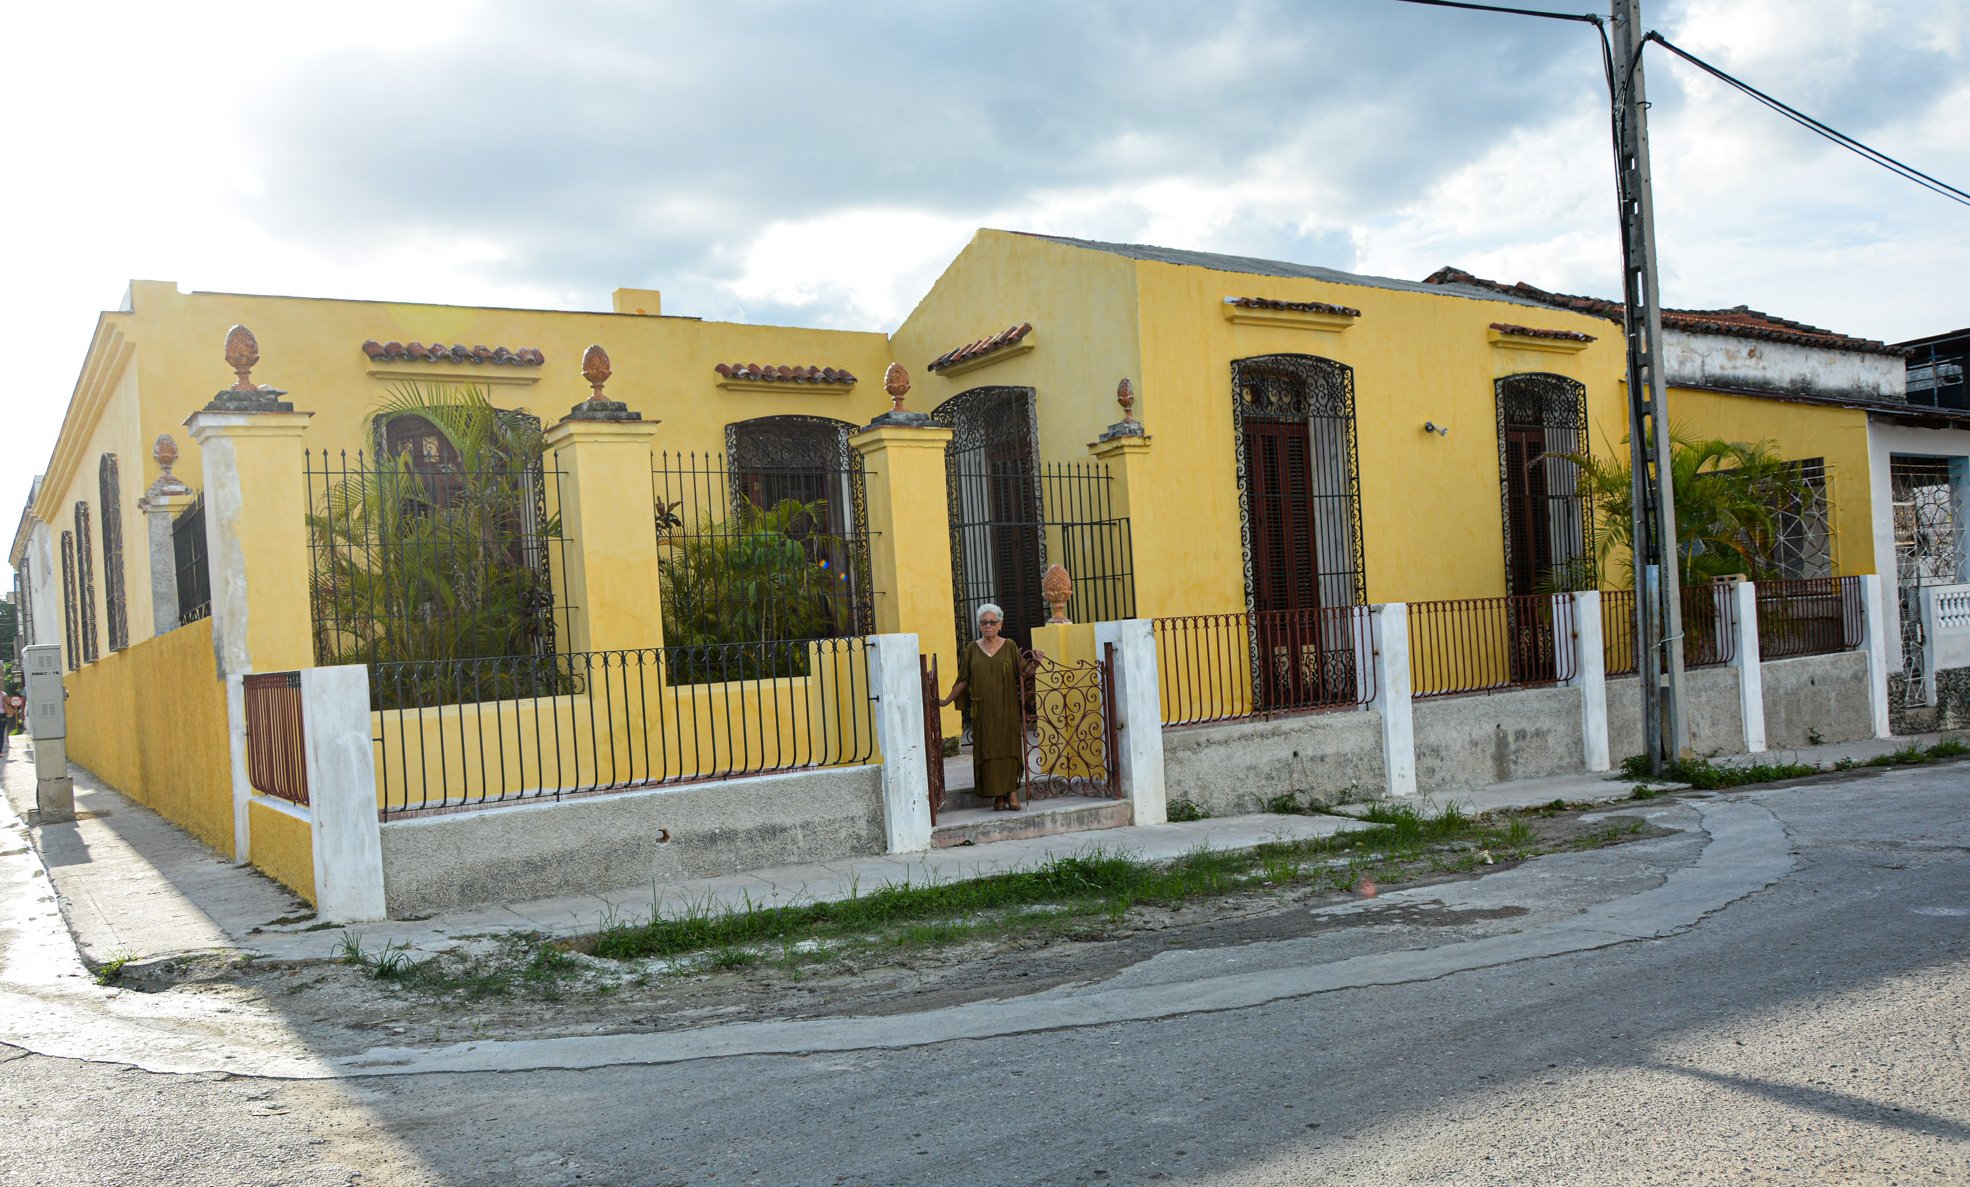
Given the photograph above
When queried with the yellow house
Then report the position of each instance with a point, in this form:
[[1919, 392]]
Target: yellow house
[[1188, 434]]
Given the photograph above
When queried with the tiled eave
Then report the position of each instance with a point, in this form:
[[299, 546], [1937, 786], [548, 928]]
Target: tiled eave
[[1007, 343], [437, 362], [438, 352], [757, 377], [1515, 337], [1298, 315]]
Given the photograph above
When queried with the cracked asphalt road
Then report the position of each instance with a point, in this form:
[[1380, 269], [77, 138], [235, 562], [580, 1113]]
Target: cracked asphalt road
[[1810, 1029]]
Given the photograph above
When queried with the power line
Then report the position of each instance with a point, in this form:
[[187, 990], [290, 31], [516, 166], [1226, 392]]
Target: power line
[[1806, 121], [1585, 18]]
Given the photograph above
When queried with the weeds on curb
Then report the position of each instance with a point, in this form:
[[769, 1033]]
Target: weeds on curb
[[1183, 809]]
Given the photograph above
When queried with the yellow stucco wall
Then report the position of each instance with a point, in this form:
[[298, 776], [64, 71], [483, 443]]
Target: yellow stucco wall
[[283, 847], [1429, 504], [1797, 431], [151, 722]]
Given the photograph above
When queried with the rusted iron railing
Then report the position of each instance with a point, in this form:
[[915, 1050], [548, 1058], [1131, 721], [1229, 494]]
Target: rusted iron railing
[[276, 757], [1811, 616], [1480, 644], [1226, 667], [1709, 635]]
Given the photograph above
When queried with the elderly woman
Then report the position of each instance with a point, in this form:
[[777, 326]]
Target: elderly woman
[[988, 676]]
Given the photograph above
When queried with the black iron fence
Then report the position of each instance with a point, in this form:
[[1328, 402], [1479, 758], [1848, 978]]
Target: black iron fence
[[1811, 616], [1709, 634], [756, 552], [425, 561], [1477, 644], [188, 555], [458, 733], [1223, 667]]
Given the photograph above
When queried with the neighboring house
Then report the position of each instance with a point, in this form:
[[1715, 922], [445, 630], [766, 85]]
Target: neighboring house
[[1886, 425]]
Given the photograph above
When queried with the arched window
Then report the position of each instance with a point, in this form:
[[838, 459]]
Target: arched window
[[85, 582], [117, 617], [1542, 426], [1300, 480]]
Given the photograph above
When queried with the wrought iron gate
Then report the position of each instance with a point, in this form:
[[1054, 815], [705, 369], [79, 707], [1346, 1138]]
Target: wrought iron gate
[[933, 736], [1925, 554], [1070, 739]]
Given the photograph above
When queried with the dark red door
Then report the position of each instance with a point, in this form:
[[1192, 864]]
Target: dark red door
[[1528, 554], [1289, 632]]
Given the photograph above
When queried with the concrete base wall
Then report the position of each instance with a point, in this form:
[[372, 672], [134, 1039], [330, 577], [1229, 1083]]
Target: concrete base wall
[[1236, 767], [1950, 712], [1471, 741], [1817, 698], [635, 838], [1716, 720]]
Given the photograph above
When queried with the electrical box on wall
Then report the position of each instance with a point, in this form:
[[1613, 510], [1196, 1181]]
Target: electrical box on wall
[[47, 723]]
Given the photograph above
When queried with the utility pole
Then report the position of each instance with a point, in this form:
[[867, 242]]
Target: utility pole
[[1658, 577]]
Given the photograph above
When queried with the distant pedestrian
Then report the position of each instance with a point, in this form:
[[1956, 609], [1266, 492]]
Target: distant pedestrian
[[10, 715]]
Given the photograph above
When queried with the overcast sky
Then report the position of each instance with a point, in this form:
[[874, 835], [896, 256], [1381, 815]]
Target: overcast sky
[[819, 163]]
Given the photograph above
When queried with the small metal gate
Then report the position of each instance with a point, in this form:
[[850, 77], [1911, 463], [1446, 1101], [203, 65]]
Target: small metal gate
[[1925, 554], [1070, 738], [933, 735]]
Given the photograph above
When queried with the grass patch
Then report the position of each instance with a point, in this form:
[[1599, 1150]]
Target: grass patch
[[1184, 809], [1065, 896], [112, 970], [1704, 775]]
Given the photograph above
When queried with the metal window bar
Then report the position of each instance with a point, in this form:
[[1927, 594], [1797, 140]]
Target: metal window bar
[[116, 617], [1299, 479], [69, 632], [1309, 660], [1542, 427], [276, 761], [469, 732], [188, 556], [85, 568], [1480, 644], [413, 560], [1618, 631], [752, 551], [1816, 616], [1086, 537]]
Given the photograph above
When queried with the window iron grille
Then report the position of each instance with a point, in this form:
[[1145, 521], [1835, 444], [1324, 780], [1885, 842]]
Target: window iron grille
[[1923, 498], [1299, 480], [116, 616], [1542, 427]]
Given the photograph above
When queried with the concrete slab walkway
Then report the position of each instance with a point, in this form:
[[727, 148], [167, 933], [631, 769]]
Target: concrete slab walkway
[[134, 887]]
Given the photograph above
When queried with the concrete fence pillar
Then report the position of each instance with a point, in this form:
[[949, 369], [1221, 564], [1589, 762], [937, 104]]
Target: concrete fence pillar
[[610, 570], [896, 683], [1138, 716], [1589, 673], [1742, 614], [1388, 626], [256, 537], [909, 528], [1876, 625], [341, 768]]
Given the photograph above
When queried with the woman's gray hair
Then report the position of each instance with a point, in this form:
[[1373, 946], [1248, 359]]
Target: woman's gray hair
[[980, 613]]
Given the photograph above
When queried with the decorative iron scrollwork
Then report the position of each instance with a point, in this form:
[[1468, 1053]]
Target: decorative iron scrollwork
[[1069, 745]]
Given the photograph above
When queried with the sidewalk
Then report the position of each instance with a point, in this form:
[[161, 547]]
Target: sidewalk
[[132, 886]]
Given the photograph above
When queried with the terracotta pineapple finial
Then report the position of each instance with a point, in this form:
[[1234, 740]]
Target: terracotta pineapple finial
[[164, 451], [1055, 588], [896, 381], [595, 369], [242, 351], [1125, 396]]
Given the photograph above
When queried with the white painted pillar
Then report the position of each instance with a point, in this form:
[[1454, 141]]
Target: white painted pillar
[[1388, 626], [1743, 617], [1138, 716], [1589, 675], [1925, 604], [1876, 623], [242, 782], [342, 793], [897, 685]]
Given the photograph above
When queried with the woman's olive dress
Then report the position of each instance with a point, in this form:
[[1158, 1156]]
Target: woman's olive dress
[[992, 687]]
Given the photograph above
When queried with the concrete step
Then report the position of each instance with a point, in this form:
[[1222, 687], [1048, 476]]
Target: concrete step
[[1042, 818]]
